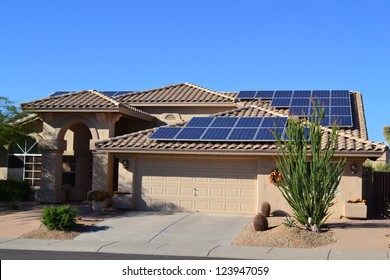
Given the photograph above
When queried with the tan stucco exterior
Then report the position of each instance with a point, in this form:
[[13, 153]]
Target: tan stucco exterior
[[228, 181]]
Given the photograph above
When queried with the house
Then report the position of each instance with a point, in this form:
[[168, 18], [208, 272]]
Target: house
[[114, 141]]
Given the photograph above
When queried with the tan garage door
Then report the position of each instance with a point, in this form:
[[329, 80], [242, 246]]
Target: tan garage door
[[204, 185]]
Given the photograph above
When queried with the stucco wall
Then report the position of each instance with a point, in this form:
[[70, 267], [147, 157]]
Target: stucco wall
[[350, 186]]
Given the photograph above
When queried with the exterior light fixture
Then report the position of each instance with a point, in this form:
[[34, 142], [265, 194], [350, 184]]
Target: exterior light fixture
[[354, 168], [125, 163]]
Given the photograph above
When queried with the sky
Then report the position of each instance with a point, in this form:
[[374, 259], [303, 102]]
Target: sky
[[48, 46]]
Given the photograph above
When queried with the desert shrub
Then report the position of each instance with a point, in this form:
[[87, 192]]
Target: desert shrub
[[14, 190], [289, 221], [61, 218], [310, 174], [97, 195], [260, 222]]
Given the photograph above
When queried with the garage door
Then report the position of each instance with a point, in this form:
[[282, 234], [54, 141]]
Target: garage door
[[216, 186]]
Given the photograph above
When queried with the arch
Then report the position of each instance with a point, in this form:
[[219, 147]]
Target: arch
[[64, 124]]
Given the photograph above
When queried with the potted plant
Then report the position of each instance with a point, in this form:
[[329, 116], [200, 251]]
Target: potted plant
[[99, 199]]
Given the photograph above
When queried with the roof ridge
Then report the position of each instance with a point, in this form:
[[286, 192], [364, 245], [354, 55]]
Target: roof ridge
[[124, 136], [108, 98], [211, 91]]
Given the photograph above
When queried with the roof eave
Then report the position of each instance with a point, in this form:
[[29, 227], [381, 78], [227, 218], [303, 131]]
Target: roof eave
[[347, 154], [183, 104]]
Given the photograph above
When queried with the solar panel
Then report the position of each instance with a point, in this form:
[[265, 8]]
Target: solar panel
[[113, 93], [246, 94], [267, 134], [264, 94], [224, 122], [300, 102], [216, 134], [190, 133], [343, 121], [300, 110], [320, 101], [271, 122], [281, 102], [249, 122], [321, 93], [341, 102], [340, 94], [242, 134], [283, 94], [200, 122], [164, 133], [341, 111], [58, 93], [302, 94]]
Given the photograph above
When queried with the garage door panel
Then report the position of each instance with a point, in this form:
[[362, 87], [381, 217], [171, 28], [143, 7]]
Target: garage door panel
[[216, 186]]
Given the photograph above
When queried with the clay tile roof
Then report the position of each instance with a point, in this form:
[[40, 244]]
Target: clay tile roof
[[81, 100], [180, 93], [350, 141]]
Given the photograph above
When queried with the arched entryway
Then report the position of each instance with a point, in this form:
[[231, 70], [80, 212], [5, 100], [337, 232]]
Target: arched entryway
[[77, 162]]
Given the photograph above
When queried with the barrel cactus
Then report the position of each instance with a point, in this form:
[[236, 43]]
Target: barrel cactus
[[266, 209], [260, 222]]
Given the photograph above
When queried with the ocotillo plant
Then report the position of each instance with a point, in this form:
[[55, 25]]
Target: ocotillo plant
[[310, 174]]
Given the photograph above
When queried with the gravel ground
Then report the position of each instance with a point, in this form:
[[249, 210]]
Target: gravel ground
[[43, 233], [279, 235]]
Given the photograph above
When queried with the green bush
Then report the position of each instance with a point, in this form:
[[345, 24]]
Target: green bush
[[61, 218], [14, 190]]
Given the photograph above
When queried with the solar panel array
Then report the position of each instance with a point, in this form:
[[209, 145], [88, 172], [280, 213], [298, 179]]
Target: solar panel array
[[336, 103], [238, 129], [108, 93]]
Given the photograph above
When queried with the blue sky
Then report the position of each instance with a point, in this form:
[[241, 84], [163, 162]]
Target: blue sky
[[48, 46]]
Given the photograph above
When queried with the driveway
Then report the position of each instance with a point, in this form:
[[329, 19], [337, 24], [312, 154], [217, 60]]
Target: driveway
[[171, 228]]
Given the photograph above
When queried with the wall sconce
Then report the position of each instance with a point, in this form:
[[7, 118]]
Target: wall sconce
[[354, 168], [125, 163]]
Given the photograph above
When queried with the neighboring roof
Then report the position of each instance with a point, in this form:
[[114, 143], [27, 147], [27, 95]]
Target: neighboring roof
[[184, 93], [348, 141], [88, 100]]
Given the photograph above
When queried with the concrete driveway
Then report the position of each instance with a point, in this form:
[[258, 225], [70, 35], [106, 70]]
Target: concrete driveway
[[170, 228]]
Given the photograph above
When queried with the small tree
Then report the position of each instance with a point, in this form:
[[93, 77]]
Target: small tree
[[310, 176], [386, 133], [11, 130]]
